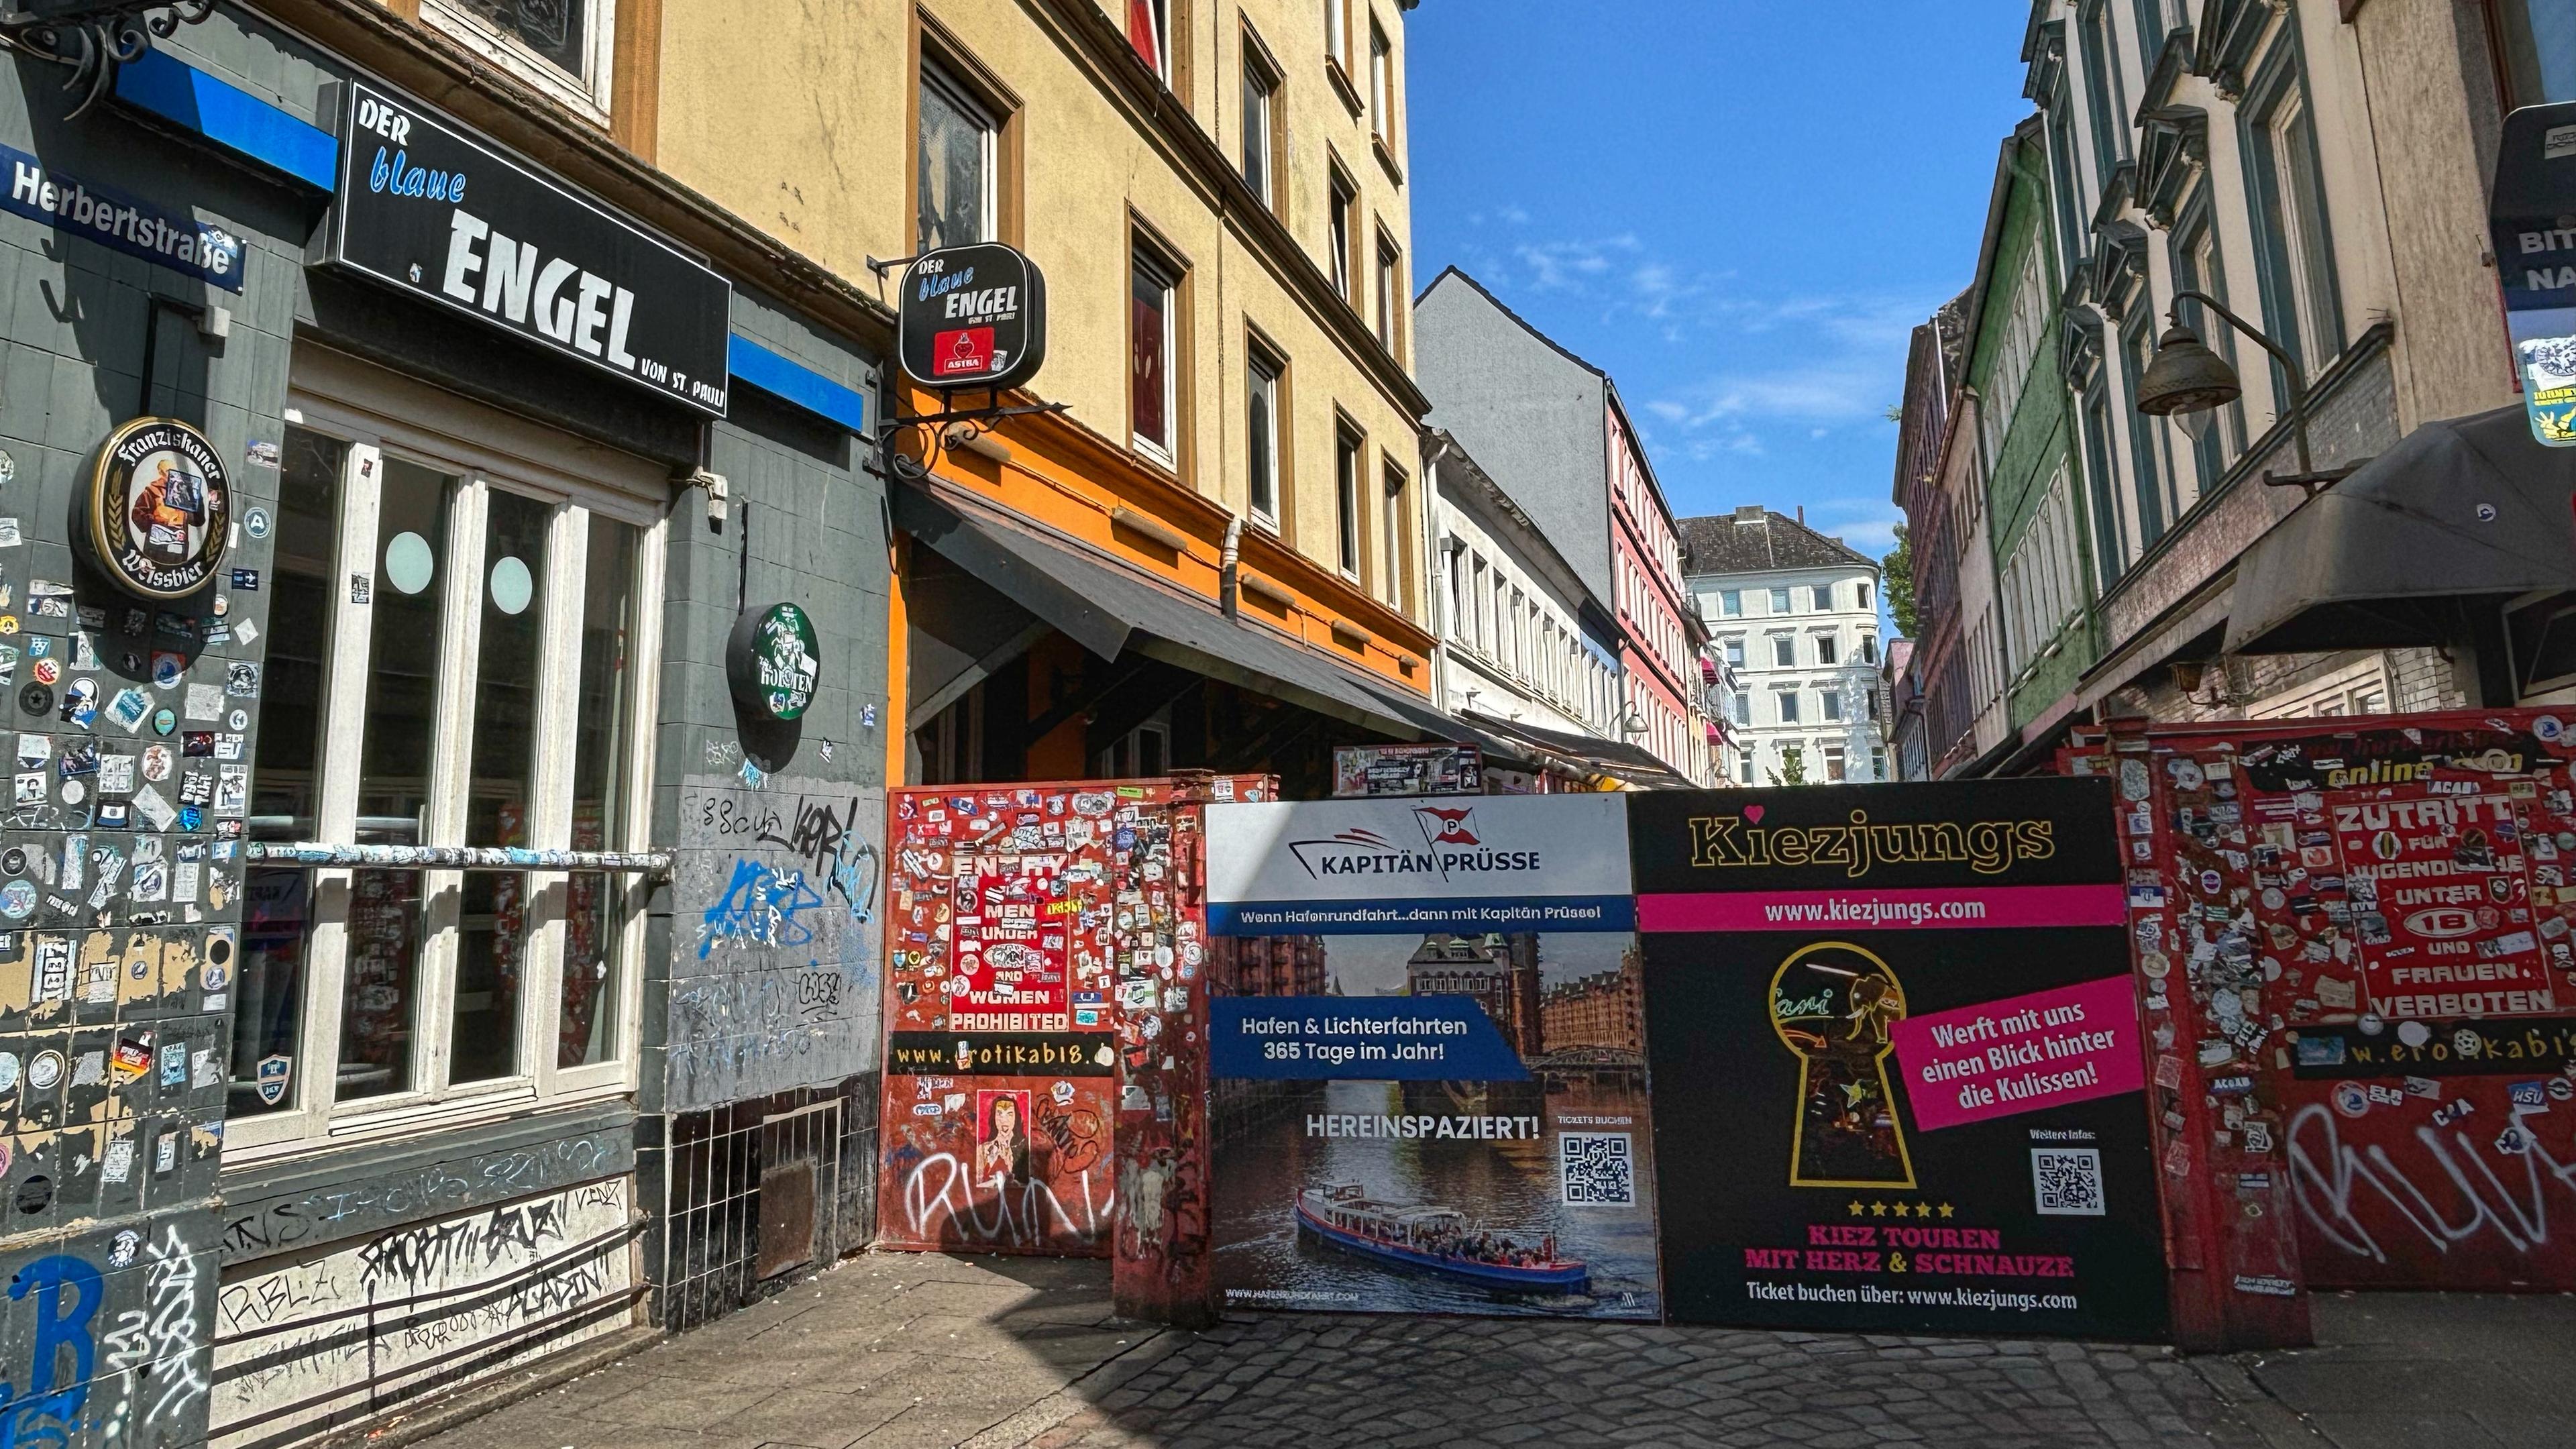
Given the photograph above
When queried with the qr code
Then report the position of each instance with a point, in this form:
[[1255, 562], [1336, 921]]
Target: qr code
[[2068, 1181], [1596, 1168]]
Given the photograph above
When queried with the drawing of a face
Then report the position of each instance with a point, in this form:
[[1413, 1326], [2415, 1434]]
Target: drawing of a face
[[1832, 1004]]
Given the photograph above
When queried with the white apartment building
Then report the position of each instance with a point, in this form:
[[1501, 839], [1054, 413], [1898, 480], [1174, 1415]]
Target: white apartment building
[[1515, 645], [1793, 616]]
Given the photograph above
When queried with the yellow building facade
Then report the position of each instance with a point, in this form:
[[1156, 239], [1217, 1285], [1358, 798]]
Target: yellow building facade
[[1216, 195]]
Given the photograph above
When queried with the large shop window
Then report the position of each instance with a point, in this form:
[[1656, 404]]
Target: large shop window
[[458, 655]]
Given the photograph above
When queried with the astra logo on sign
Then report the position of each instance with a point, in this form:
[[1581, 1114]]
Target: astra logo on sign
[[971, 316]]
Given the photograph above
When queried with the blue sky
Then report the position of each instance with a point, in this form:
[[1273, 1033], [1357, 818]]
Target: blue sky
[[1738, 208]]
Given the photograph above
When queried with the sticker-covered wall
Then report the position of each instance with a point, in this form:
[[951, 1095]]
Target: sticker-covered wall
[[366, 659]]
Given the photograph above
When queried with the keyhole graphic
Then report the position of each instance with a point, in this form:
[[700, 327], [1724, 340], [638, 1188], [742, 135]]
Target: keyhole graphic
[[1832, 1004]]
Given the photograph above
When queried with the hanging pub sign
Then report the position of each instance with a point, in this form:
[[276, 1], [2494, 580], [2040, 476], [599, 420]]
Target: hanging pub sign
[[156, 509], [436, 212], [972, 316], [2533, 221], [1899, 1073], [772, 662]]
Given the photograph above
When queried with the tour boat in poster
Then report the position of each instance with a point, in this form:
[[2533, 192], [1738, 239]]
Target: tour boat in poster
[[1898, 1066], [1433, 1107]]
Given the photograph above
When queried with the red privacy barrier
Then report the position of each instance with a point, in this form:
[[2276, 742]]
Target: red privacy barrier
[[2361, 1003]]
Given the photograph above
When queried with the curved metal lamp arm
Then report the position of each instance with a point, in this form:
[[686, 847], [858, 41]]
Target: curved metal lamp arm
[[2289, 364]]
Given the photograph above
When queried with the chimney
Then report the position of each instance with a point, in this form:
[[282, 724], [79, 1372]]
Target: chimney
[[1802, 515], [1749, 513]]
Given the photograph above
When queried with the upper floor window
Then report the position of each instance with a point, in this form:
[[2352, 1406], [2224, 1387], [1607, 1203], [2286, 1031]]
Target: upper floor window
[[1866, 648], [1261, 426], [566, 47], [1734, 649], [1381, 85], [2218, 436], [2063, 169], [1346, 499], [2156, 20], [1393, 535], [1390, 292], [1260, 123], [1153, 332], [1341, 228], [1863, 601], [1730, 603], [1831, 701], [2105, 106], [1788, 706], [1149, 29], [1784, 650], [1827, 651], [1780, 600], [1824, 597], [1337, 33], [2537, 44], [957, 166], [2296, 255]]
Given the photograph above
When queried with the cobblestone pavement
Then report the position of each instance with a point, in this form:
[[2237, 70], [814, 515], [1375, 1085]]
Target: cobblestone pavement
[[895, 1351]]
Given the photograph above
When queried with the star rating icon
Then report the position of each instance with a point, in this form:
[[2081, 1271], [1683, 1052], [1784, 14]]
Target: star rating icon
[[1879, 1208]]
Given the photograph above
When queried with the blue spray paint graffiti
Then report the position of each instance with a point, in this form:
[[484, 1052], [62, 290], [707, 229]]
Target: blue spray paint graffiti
[[759, 907], [48, 1415]]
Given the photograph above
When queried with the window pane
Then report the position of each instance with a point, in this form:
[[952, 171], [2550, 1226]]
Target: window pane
[[587, 1026], [1779, 601], [1346, 501], [299, 638], [1339, 238], [505, 675], [1261, 426], [604, 722], [956, 162], [403, 652], [1149, 370], [492, 932], [1394, 538], [378, 1009], [590, 989], [1146, 31], [1256, 129], [552, 28], [2540, 49], [1784, 651], [1730, 602], [268, 1000]]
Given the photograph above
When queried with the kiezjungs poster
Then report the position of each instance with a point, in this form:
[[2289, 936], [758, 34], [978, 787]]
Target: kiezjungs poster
[[1427, 1040], [1897, 1060]]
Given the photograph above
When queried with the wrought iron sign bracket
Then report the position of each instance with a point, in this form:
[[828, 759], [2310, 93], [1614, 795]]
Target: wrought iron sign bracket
[[971, 423], [93, 37]]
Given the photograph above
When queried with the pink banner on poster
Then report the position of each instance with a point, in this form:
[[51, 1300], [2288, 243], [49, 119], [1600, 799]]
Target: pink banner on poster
[[2021, 1054], [1956, 908]]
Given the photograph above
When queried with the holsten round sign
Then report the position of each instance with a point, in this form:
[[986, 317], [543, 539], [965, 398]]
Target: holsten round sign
[[971, 316], [157, 510], [772, 662]]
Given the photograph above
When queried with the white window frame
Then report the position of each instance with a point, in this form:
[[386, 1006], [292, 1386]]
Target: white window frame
[[1381, 84], [586, 94], [1262, 378], [1160, 13], [1350, 539], [378, 416], [1776, 641], [1783, 599], [1260, 84], [1165, 451]]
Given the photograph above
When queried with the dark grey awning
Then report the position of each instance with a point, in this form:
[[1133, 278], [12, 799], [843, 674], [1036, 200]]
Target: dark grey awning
[[1634, 764], [2463, 509], [1108, 609]]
